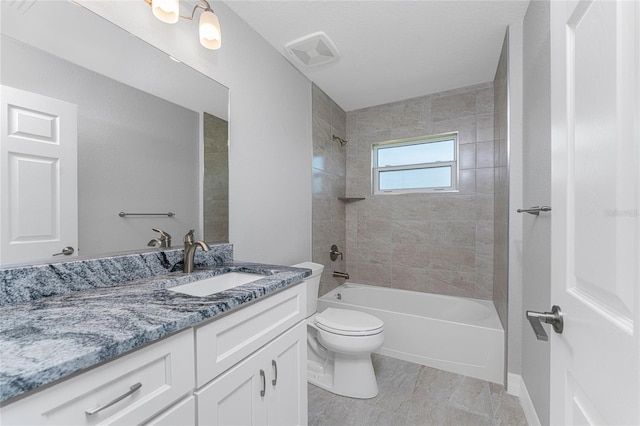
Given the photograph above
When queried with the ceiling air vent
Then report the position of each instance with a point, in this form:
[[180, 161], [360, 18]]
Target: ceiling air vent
[[312, 50]]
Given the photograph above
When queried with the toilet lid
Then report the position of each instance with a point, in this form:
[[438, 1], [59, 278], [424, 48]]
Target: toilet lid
[[345, 321]]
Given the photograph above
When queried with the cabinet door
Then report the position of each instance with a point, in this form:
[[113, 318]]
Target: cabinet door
[[181, 414], [287, 384], [236, 397]]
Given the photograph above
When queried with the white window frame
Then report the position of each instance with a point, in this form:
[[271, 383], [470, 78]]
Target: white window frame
[[436, 164]]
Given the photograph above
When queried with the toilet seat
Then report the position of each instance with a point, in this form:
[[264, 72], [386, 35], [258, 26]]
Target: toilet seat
[[346, 322]]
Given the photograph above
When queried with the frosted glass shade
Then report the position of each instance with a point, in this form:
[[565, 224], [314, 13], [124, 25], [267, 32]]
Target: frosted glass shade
[[166, 10], [210, 35]]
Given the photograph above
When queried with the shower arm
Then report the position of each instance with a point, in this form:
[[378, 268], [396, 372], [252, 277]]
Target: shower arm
[[338, 139]]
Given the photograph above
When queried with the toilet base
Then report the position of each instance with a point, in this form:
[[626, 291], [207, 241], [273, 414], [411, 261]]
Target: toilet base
[[346, 375]]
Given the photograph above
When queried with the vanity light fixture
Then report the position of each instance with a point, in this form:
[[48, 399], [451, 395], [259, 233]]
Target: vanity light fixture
[[168, 11]]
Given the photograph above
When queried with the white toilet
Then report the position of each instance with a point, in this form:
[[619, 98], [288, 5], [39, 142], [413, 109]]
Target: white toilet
[[339, 343]]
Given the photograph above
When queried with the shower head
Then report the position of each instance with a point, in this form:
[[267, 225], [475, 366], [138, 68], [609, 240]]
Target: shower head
[[341, 141]]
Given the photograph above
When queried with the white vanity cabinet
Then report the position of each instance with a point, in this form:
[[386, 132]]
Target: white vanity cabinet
[[126, 391], [267, 388], [251, 365]]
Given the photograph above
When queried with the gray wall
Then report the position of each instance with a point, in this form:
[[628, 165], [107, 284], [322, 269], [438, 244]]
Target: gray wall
[[438, 243], [501, 187], [515, 312], [136, 152], [536, 191], [329, 183], [501, 191]]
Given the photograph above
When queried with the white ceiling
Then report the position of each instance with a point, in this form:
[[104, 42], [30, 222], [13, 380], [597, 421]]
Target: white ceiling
[[390, 49]]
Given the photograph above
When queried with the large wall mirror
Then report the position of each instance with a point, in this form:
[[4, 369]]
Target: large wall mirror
[[151, 137]]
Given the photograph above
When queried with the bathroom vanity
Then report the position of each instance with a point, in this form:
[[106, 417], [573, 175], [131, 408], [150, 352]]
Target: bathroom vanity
[[235, 357]]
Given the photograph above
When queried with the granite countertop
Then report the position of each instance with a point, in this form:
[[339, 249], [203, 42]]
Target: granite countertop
[[50, 338]]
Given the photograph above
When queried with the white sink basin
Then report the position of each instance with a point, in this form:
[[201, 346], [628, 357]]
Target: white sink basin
[[209, 286]]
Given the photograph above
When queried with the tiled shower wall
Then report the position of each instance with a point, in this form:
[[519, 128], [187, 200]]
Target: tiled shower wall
[[329, 182], [438, 243], [216, 179]]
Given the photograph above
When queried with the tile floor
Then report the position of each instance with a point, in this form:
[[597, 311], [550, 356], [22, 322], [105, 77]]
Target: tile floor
[[412, 394]]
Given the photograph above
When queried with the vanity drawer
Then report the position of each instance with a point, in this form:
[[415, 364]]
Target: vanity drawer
[[226, 341], [151, 378], [181, 414]]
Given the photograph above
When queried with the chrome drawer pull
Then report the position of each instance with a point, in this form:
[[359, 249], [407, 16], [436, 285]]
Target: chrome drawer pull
[[131, 390], [264, 383], [274, 364]]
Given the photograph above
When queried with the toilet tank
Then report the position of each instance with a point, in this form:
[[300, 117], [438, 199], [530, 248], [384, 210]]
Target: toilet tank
[[313, 285]]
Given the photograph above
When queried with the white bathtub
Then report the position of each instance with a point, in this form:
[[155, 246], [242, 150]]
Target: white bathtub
[[456, 334]]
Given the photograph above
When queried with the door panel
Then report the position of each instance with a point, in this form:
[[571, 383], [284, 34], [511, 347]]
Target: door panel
[[595, 112], [287, 358], [234, 397], [38, 181], [33, 210], [33, 125], [600, 150]]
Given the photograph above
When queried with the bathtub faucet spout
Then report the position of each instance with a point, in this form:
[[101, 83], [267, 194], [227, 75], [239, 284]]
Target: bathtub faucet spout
[[344, 275]]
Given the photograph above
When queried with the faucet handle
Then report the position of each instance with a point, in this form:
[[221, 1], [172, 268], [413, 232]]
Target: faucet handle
[[188, 238], [165, 237], [162, 233]]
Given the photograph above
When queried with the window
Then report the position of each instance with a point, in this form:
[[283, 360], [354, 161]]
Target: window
[[426, 164]]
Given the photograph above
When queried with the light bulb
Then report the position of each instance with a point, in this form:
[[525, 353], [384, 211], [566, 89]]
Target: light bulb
[[210, 34], [166, 10]]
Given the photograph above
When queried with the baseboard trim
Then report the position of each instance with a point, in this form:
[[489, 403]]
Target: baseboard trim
[[517, 387], [513, 384]]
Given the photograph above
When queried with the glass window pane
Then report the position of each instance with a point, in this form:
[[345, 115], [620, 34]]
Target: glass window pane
[[420, 153], [433, 177]]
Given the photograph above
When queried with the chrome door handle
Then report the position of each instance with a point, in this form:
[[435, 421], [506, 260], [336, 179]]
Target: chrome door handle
[[67, 251], [554, 318]]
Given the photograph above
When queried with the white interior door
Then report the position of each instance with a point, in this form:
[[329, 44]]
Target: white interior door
[[38, 178], [595, 90]]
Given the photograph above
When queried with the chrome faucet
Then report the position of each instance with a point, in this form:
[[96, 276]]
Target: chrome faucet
[[188, 239], [189, 255], [164, 241]]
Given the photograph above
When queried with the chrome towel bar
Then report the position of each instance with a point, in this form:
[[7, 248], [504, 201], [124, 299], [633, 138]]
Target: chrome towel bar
[[123, 214], [535, 210]]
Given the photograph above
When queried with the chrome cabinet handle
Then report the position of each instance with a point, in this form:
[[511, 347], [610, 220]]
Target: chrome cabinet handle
[[67, 251], [264, 383], [274, 364], [131, 390], [555, 318]]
